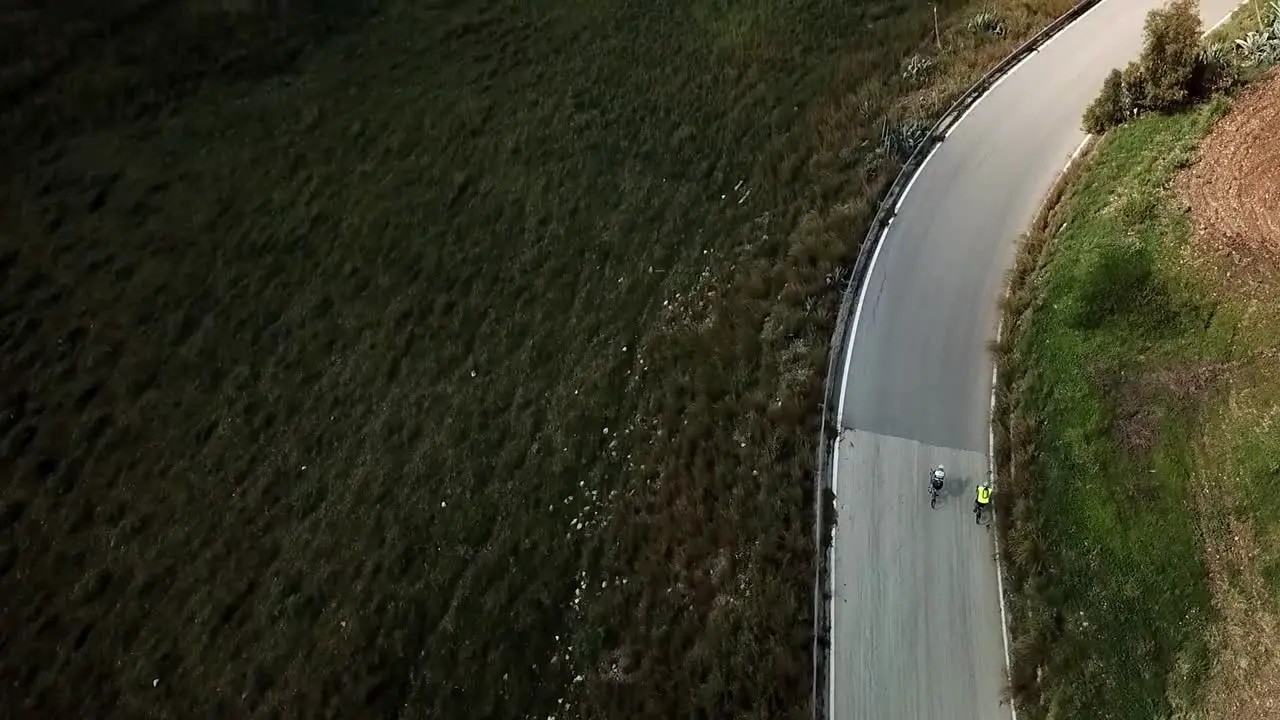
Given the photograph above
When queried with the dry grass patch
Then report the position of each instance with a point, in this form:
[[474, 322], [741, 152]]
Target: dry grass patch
[[1238, 519], [1245, 681]]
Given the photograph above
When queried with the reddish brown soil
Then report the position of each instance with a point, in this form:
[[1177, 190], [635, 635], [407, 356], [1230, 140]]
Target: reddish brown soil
[[1234, 190], [1234, 197]]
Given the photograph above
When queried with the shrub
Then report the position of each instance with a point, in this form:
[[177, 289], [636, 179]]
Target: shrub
[[1259, 48], [1123, 97], [1170, 54], [899, 141], [1133, 83], [1174, 69], [987, 23], [1109, 108], [1216, 71], [917, 69]]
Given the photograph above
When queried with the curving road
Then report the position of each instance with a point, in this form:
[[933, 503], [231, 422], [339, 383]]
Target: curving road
[[916, 621]]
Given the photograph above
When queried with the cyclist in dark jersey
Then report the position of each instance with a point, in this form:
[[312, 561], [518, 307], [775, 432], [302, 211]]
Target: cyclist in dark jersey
[[936, 476]]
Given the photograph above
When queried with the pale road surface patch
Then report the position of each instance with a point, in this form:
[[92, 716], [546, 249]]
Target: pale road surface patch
[[895, 516], [915, 626]]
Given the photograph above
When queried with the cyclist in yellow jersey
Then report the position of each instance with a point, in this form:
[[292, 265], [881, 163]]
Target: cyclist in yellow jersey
[[982, 501]]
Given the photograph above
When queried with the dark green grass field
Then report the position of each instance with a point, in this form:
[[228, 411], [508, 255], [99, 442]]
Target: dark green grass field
[[448, 360], [1139, 378]]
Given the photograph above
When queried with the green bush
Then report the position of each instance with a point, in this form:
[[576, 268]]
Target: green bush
[[987, 23], [1171, 54], [1133, 81], [1174, 69], [1259, 48], [1109, 108], [1216, 71]]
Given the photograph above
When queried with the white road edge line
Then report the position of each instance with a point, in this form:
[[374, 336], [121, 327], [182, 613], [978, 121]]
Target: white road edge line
[[1224, 20], [998, 82], [991, 438], [1015, 68], [853, 329], [835, 454], [991, 470], [1055, 37], [991, 467], [907, 189]]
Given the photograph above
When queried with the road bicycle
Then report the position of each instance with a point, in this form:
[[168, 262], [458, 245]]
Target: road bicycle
[[935, 486]]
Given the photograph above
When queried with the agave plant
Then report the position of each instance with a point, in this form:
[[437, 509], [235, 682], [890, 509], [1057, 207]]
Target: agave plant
[[917, 68], [1259, 49], [988, 23], [1219, 51], [1271, 20], [1219, 54], [900, 140], [1218, 69]]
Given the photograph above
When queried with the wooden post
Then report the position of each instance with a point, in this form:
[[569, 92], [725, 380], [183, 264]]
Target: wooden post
[[937, 33]]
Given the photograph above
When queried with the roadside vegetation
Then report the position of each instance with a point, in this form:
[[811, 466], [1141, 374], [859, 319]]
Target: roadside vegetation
[[1136, 410], [435, 360]]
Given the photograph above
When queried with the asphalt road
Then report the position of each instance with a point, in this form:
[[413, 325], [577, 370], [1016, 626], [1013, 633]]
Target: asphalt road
[[916, 627]]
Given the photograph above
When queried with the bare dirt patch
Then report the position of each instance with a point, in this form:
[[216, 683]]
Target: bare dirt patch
[[1234, 190], [1142, 398], [1233, 197]]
